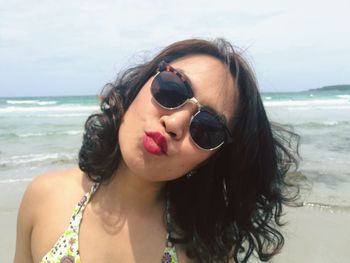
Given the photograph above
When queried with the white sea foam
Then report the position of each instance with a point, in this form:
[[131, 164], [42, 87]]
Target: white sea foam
[[18, 180], [330, 123], [36, 102], [331, 107], [321, 124], [267, 98], [64, 115], [54, 115], [344, 96], [31, 134], [35, 158], [308, 103], [39, 134], [64, 109], [47, 102], [73, 132], [21, 101]]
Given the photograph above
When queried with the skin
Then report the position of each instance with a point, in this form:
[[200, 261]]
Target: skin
[[124, 220]]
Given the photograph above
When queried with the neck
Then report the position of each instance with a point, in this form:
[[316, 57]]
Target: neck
[[129, 193]]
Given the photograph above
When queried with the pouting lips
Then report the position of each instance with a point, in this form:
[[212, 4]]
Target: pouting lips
[[159, 139]]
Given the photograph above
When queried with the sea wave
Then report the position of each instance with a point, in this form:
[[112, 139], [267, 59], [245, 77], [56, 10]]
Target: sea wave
[[64, 108], [60, 115], [40, 134], [322, 124], [50, 115], [343, 96], [41, 158], [328, 207], [17, 180], [36, 102], [308, 103]]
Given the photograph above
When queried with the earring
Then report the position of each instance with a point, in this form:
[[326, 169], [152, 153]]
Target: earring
[[190, 174]]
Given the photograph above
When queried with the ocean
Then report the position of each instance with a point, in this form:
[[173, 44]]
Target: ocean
[[38, 134]]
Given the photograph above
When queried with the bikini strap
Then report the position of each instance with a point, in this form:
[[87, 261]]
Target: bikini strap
[[80, 207]]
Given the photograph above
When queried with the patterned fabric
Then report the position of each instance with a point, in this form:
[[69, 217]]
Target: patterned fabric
[[66, 248], [169, 255]]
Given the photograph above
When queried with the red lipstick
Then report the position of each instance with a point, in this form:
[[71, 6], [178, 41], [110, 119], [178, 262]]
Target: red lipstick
[[155, 143]]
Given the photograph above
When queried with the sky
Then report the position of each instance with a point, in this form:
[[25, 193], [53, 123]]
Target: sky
[[50, 48]]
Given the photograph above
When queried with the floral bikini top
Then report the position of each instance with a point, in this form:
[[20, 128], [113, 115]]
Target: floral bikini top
[[66, 249]]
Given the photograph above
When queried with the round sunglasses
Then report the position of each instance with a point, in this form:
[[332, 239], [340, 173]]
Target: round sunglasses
[[170, 90]]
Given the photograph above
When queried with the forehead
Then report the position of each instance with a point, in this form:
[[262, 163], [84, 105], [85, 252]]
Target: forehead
[[212, 83]]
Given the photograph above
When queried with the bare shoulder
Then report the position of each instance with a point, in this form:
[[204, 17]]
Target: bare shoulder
[[68, 176], [48, 199], [54, 182], [54, 193], [54, 187]]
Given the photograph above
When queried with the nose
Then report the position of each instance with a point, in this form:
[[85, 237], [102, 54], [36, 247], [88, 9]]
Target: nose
[[176, 121]]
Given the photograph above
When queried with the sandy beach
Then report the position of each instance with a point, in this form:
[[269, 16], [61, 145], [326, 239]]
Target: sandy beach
[[10, 201], [313, 234], [8, 237], [316, 234]]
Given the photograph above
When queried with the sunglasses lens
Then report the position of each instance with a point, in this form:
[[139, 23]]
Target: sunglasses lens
[[169, 90], [206, 130]]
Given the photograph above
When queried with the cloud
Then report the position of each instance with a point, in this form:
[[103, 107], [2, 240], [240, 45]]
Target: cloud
[[101, 36]]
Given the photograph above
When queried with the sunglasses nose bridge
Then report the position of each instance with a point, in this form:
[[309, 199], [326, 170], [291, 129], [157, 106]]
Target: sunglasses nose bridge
[[177, 121], [196, 103]]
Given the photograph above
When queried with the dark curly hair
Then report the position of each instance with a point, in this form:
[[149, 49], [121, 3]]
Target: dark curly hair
[[232, 205]]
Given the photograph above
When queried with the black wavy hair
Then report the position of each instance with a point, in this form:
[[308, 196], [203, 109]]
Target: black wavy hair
[[232, 205]]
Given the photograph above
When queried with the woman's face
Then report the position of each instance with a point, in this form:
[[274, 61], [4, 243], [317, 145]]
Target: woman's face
[[148, 129]]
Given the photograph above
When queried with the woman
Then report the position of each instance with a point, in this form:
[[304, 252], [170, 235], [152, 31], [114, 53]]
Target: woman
[[181, 165]]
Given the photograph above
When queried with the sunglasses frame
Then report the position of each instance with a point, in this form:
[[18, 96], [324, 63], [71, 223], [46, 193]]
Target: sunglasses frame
[[164, 66]]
